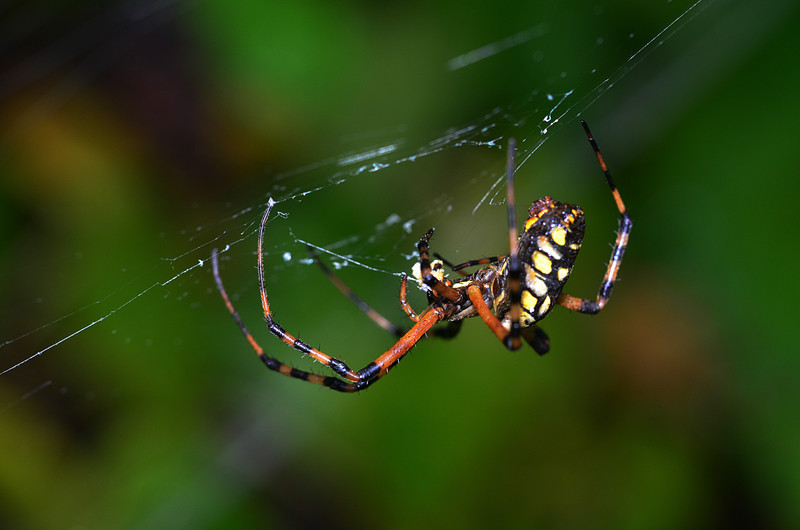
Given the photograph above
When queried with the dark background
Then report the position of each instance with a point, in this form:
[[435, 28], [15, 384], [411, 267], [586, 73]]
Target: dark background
[[137, 136]]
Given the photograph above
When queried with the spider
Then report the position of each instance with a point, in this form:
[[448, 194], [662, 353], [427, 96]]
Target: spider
[[511, 294]]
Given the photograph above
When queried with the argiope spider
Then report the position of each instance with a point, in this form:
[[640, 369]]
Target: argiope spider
[[510, 294]]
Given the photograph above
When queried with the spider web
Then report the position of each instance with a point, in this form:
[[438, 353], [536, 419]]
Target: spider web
[[139, 136], [399, 177]]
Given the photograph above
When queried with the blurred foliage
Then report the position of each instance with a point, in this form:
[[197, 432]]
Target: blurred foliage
[[127, 125]]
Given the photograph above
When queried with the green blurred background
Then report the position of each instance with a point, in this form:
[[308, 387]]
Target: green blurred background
[[137, 136]]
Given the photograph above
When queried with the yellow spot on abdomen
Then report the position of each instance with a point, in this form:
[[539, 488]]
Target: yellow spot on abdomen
[[528, 305], [562, 274], [526, 319], [544, 244], [530, 222], [538, 287], [528, 301], [559, 236], [545, 306], [534, 218], [542, 263]]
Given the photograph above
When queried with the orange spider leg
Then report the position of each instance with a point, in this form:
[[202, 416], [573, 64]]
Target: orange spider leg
[[404, 300], [489, 318]]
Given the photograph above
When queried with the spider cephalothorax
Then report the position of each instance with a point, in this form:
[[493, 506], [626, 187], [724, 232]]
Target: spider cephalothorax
[[511, 294]]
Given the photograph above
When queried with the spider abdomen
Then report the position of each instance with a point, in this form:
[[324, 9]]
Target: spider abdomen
[[547, 250]]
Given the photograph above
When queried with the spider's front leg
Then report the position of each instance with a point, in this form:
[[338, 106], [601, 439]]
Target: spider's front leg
[[438, 287]]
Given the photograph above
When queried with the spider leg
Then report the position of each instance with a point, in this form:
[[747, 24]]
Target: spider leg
[[438, 287], [357, 300], [537, 338], [361, 304], [452, 329], [448, 332], [514, 276], [470, 263], [271, 362], [350, 381], [404, 300], [509, 337], [584, 305], [489, 318], [533, 335], [449, 264]]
